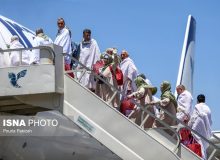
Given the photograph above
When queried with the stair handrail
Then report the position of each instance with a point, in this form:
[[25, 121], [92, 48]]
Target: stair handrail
[[120, 92], [48, 48], [176, 131]]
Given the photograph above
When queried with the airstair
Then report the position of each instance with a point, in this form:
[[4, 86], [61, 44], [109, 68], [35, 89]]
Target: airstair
[[47, 87], [116, 131]]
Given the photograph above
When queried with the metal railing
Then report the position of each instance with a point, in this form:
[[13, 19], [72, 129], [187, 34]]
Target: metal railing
[[175, 130], [21, 52], [117, 91]]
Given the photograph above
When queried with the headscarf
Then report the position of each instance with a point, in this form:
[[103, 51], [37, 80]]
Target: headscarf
[[102, 56], [166, 92], [109, 50], [108, 62], [140, 82]]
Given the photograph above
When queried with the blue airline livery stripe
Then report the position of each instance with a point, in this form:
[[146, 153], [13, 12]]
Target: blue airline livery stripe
[[11, 30], [21, 34], [26, 43]]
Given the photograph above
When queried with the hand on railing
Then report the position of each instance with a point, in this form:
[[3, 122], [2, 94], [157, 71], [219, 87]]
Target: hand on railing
[[153, 103]]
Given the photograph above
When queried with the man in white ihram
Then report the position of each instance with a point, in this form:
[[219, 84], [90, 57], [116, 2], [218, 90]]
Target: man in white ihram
[[184, 101], [63, 39], [40, 40], [129, 71], [15, 55], [89, 54], [201, 122]]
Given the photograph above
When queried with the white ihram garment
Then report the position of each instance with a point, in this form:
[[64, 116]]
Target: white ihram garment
[[184, 105], [89, 54], [129, 71], [63, 39], [201, 122], [39, 41], [15, 55], [4, 59]]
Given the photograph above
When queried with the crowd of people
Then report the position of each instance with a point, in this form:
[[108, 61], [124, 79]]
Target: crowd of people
[[137, 87], [120, 71]]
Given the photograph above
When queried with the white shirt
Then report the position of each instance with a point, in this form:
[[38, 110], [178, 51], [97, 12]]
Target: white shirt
[[63, 39]]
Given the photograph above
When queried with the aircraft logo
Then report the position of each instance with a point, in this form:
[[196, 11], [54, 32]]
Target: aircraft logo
[[14, 78]]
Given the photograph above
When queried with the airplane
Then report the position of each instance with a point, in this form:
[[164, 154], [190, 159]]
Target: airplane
[[80, 134]]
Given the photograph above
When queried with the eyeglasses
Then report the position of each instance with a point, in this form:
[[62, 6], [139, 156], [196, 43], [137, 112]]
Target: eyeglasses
[[60, 23]]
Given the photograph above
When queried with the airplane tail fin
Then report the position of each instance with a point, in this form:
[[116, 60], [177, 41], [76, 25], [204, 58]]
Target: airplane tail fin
[[186, 68]]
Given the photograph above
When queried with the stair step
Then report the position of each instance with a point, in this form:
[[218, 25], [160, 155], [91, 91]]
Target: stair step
[[163, 137]]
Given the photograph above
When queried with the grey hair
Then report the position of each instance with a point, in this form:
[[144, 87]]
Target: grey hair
[[126, 52]]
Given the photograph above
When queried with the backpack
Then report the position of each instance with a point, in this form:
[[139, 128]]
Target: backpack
[[195, 147], [75, 53], [75, 49], [118, 75], [126, 106]]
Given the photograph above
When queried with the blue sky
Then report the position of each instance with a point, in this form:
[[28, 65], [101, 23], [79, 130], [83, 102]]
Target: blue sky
[[151, 31]]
